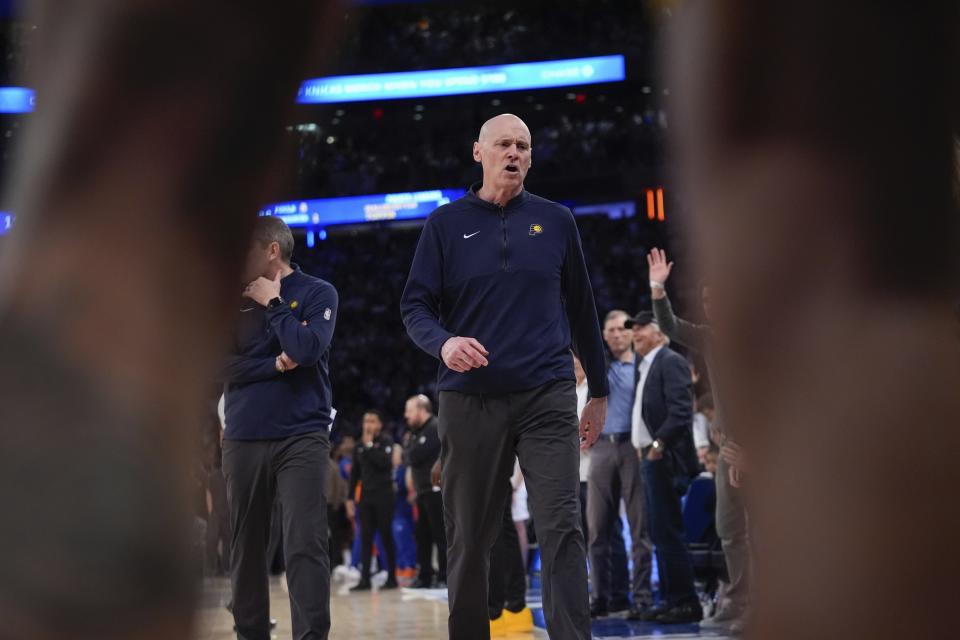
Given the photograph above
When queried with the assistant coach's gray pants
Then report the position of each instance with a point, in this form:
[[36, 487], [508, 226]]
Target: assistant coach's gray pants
[[293, 469], [480, 434], [734, 536], [615, 473]]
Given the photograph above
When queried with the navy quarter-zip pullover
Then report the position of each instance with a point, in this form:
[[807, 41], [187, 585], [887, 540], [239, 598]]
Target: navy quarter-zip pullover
[[514, 278], [260, 403]]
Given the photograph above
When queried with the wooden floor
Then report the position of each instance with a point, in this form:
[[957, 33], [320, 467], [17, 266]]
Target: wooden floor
[[408, 615], [397, 615]]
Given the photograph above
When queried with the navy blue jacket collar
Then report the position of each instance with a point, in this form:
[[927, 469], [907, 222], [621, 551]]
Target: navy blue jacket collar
[[473, 198]]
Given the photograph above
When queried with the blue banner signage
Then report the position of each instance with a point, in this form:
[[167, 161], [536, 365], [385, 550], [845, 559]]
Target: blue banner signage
[[6, 222], [384, 207], [324, 212], [466, 80], [16, 100]]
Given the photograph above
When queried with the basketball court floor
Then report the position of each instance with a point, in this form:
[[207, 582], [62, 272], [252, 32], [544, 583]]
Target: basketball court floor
[[404, 614]]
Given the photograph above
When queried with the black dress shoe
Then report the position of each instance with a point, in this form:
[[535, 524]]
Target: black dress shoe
[[391, 583], [598, 608], [421, 584], [689, 613], [363, 585], [645, 613], [619, 604], [273, 623]]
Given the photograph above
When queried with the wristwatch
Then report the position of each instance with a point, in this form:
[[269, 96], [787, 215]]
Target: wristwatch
[[276, 302], [657, 445]]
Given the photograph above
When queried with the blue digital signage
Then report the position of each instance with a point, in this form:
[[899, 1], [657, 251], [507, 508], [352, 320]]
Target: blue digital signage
[[383, 207], [466, 80], [6, 222], [16, 100], [323, 212]]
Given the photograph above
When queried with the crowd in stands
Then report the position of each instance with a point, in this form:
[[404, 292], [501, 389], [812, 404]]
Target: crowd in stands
[[439, 34], [597, 140]]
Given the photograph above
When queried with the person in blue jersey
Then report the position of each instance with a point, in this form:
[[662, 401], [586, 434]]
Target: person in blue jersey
[[277, 401], [499, 292]]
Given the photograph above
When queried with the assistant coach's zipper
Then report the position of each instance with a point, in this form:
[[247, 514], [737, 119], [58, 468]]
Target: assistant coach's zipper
[[503, 228]]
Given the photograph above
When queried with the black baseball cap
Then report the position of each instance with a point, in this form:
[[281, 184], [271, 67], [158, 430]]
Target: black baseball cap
[[642, 319]]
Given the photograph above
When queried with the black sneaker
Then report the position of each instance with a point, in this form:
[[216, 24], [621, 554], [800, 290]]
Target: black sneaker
[[391, 583], [689, 613], [421, 584], [598, 608], [645, 613], [363, 585]]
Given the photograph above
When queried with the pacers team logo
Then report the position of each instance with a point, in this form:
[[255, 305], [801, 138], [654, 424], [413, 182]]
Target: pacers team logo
[[536, 229]]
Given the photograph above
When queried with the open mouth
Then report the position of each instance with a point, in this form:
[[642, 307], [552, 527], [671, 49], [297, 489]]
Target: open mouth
[[512, 168]]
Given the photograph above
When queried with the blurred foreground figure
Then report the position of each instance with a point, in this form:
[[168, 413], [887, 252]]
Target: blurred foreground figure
[[817, 139], [155, 122]]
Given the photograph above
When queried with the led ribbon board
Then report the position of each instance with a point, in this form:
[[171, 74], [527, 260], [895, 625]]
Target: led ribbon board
[[398, 206], [466, 80], [6, 222], [16, 100], [358, 209]]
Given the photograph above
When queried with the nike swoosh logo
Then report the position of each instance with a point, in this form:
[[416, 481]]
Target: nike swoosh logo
[[465, 236]]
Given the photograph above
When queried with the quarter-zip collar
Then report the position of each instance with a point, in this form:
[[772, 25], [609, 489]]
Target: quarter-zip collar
[[517, 200]]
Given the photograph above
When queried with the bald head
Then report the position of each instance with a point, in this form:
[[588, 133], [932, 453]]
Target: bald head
[[497, 124], [417, 411], [504, 150]]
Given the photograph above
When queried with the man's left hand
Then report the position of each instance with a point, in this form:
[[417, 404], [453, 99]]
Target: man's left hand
[[592, 421], [263, 290], [655, 454]]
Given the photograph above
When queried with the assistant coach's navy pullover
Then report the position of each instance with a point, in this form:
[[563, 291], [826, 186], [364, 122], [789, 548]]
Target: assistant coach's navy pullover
[[261, 403], [514, 278]]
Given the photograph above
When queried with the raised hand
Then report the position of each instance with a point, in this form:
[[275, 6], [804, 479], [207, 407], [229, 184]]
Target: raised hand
[[659, 267]]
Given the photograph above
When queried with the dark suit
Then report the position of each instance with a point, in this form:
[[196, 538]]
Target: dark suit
[[667, 410], [421, 452]]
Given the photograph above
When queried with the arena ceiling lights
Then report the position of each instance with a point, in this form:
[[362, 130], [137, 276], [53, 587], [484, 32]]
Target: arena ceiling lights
[[465, 80]]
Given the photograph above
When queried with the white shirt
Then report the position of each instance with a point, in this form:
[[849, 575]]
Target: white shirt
[[640, 434], [701, 430], [582, 392]]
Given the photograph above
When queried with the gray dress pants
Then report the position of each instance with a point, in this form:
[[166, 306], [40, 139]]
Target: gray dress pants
[[615, 473], [480, 434]]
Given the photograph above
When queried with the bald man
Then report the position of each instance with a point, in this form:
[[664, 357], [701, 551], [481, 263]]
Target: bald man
[[500, 294]]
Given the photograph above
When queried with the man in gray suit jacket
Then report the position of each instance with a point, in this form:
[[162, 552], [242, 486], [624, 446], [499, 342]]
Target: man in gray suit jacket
[[731, 512]]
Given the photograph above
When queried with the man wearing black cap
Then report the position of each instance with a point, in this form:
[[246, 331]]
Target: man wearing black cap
[[662, 433], [499, 292]]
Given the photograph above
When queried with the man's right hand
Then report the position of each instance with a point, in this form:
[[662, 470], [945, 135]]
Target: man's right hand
[[463, 354], [435, 474], [659, 267]]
